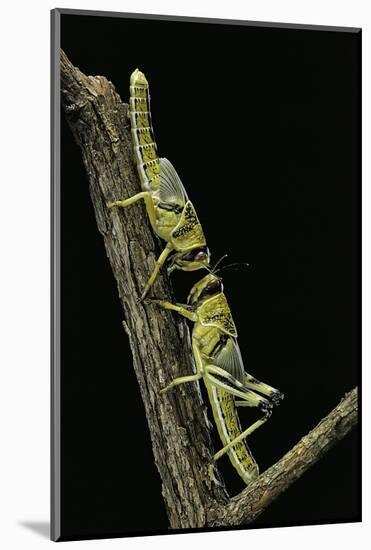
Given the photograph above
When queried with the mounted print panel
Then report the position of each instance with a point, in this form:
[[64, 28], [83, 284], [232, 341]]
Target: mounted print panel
[[206, 274]]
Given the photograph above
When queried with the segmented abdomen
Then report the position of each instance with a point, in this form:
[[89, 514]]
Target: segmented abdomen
[[228, 424], [145, 148]]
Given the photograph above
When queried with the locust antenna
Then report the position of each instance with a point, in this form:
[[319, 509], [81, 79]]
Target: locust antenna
[[218, 262], [229, 266]]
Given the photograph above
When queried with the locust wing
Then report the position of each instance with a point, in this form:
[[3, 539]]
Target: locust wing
[[172, 191], [229, 359]]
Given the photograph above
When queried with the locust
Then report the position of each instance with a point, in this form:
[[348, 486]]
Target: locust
[[219, 363], [171, 213]]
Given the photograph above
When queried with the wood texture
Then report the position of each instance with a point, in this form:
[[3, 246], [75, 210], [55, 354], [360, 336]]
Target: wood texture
[[159, 340]]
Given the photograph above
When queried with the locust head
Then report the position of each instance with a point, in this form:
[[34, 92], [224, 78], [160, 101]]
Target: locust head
[[208, 286], [211, 284], [197, 258]]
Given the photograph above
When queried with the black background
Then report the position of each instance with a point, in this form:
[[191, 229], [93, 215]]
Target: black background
[[263, 126]]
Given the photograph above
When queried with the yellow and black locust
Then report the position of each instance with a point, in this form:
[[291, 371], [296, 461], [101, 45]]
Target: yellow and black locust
[[219, 363], [172, 215]]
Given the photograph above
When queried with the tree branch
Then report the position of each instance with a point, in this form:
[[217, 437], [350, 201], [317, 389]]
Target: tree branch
[[159, 340], [253, 500]]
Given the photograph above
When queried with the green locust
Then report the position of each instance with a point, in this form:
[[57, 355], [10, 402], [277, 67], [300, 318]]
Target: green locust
[[219, 363], [171, 213]]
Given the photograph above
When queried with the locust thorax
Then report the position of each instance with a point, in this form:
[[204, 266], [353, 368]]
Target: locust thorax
[[197, 258], [208, 286]]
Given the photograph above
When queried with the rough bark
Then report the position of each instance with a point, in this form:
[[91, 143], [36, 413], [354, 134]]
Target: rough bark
[[159, 340]]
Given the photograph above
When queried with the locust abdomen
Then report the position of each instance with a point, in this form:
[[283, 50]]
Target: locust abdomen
[[228, 425], [145, 148]]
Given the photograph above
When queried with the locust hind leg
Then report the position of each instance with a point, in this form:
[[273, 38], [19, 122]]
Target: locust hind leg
[[146, 195], [225, 381], [242, 435], [231, 385], [272, 393]]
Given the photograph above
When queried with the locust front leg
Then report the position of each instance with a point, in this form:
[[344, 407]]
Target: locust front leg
[[160, 262], [182, 310], [179, 308], [182, 380], [147, 197]]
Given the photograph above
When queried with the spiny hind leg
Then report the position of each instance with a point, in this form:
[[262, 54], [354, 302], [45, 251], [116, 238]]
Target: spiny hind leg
[[146, 195], [160, 261], [225, 381], [234, 387], [272, 393], [182, 380], [242, 436]]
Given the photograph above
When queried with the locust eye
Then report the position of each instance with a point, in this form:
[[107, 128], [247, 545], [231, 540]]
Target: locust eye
[[201, 256], [215, 287], [197, 255]]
